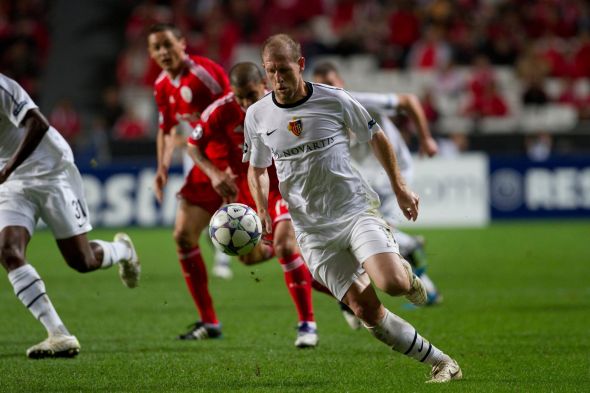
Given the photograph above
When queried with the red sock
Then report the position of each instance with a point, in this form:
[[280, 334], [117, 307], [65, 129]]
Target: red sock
[[195, 275], [298, 280]]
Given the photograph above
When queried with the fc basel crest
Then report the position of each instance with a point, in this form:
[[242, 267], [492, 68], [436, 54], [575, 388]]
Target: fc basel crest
[[296, 126]]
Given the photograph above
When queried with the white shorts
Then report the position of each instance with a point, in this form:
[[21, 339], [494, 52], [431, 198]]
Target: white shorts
[[337, 261], [58, 199]]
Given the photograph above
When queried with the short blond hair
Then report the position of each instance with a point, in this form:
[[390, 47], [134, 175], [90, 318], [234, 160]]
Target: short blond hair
[[283, 41]]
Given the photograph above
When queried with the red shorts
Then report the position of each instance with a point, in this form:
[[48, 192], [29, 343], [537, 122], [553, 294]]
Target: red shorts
[[202, 194]]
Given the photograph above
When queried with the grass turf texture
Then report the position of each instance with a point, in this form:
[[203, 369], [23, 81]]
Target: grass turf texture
[[515, 316]]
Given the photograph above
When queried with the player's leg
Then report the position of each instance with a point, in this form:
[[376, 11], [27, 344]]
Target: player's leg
[[221, 265], [64, 209], [298, 280], [30, 290], [262, 252], [372, 242], [412, 249], [190, 222], [86, 256], [396, 332]]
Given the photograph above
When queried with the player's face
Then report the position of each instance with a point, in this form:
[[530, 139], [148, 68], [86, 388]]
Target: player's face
[[167, 50], [249, 94], [284, 75], [330, 79]]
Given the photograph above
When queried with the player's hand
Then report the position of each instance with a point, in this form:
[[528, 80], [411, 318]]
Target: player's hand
[[159, 182], [429, 147], [408, 201], [3, 176], [225, 185], [266, 222]]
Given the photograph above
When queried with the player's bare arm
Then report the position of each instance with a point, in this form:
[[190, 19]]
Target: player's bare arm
[[258, 182], [222, 181], [165, 148], [36, 125], [413, 107], [384, 152]]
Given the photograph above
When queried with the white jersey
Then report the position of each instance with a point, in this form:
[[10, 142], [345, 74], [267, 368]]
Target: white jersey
[[52, 152], [309, 142], [382, 106]]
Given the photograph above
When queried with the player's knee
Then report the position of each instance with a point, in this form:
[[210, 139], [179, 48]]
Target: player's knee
[[397, 284], [184, 239], [11, 256], [284, 249]]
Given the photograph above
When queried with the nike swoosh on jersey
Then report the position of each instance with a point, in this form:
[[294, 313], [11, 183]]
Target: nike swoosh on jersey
[[271, 132]]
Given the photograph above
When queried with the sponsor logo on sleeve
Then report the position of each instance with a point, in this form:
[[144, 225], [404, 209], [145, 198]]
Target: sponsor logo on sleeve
[[18, 108], [296, 126], [197, 132], [372, 122]]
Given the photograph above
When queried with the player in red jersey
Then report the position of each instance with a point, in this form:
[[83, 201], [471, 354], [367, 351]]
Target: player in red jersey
[[216, 145], [186, 86]]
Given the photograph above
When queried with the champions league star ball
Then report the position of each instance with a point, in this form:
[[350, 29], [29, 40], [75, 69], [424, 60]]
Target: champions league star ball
[[235, 229]]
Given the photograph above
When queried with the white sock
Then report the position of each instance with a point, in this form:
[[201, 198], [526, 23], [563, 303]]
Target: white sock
[[403, 338], [30, 290], [112, 252], [406, 243], [428, 284], [221, 258]]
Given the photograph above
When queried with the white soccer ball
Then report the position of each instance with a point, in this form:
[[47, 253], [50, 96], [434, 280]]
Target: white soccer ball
[[235, 229]]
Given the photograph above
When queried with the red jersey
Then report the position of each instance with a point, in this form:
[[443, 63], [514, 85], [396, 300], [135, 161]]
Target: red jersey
[[185, 97], [200, 83], [221, 137]]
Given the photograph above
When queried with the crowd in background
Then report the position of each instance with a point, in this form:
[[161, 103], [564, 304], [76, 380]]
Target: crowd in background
[[540, 40]]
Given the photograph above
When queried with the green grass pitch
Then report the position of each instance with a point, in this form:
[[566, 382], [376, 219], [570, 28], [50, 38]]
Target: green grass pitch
[[516, 316]]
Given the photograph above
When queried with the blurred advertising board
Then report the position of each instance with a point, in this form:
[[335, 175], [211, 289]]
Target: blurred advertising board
[[466, 190], [555, 188], [453, 191], [119, 196]]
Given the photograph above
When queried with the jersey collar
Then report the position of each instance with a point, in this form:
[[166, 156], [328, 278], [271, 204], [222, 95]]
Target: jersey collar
[[296, 103]]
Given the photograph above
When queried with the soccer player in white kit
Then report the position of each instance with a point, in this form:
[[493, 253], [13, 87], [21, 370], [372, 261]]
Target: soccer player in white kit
[[304, 128], [381, 106], [38, 179]]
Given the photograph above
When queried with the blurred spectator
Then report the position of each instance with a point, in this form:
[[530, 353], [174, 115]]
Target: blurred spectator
[[129, 127], [502, 35], [449, 81], [487, 103], [571, 95], [453, 144], [404, 29], [531, 65], [538, 146], [534, 94], [218, 39], [134, 64], [582, 56], [429, 107], [482, 75], [66, 120], [112, 108], [431, 52]]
